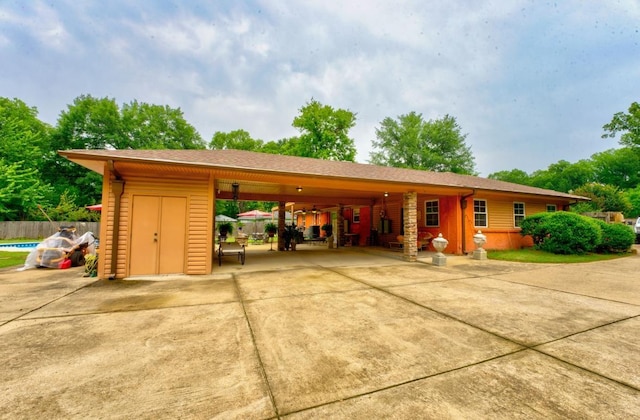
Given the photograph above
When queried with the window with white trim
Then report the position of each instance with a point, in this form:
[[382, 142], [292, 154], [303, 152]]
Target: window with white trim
[[432, 213], [551, 208], [518, 214], [480, 218]]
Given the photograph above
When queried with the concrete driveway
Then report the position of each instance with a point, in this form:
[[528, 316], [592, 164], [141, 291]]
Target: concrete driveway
[[320, 333]]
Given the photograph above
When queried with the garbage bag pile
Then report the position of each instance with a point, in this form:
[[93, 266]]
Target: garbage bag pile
[[63, 249]]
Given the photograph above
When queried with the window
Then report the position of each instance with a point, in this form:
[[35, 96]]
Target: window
[[551, 208], [356, 215], [431, 213], [480, 213], [518, 214]]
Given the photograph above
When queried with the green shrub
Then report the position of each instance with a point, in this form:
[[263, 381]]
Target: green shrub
[[563, 232], [534, 226], [616, 238]]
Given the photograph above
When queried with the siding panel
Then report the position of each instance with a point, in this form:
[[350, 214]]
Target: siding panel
[[199, 219]]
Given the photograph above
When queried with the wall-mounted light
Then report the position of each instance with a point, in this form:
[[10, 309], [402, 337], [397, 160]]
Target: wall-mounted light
[[313, 210], [299, 189], [304, 211], [386, 194], [235, 190]]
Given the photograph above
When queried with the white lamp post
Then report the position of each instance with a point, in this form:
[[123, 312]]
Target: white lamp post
[[479, 239], [439, 244]]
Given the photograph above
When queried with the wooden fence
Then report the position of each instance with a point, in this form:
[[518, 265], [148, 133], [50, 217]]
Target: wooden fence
[[38, 230]]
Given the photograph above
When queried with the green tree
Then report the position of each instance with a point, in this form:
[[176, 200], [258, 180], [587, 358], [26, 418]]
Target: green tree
[[287, 147], [24, 140], [564, 176], [627, 124], [23, 137], [237, 139], [619, 167], [603, 198], [147, 126], [435, 145], [325, 132], [98, 123], [20, 191], [67, 210], [89, 123], [517, 176], [633, 196]]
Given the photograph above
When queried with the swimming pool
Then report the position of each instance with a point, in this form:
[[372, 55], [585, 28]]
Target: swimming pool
[[19, 246]]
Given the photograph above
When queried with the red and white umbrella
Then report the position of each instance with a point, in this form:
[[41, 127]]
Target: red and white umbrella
[[254, 215]]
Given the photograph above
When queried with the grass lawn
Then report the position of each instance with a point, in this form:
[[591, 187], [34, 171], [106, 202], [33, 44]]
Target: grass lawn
[[531, 255], [15, 241], [10, 259]]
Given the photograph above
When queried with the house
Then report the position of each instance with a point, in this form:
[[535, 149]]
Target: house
[[159, 205]]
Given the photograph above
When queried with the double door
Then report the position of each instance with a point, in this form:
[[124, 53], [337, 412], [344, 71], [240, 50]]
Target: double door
[[158, 235]]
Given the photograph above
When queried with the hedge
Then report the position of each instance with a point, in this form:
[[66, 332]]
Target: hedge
[[616, 238], [563, 232]]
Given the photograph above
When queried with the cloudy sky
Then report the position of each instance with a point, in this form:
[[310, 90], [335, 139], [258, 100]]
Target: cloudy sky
[[529, 82]]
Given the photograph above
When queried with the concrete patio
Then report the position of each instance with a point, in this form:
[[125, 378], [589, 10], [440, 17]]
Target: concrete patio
[[325, 333]]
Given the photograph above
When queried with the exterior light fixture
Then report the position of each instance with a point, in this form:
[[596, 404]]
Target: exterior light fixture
[[299, 189], [235, 189], [386, 194], [313, 210], [304, 211]]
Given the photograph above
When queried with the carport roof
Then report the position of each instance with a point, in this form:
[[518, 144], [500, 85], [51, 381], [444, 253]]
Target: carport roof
[[241, 160]]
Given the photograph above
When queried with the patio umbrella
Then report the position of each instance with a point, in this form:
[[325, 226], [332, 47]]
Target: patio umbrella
[[224, 218], [254, 215], [95, 207]]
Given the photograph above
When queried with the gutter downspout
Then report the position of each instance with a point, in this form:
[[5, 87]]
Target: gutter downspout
[[463, 206], [117, 186]]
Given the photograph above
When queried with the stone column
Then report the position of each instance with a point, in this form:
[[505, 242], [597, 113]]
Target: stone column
[[410, 204]]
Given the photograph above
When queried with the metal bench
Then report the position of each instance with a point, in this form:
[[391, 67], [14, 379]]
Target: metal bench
[[231, 248]]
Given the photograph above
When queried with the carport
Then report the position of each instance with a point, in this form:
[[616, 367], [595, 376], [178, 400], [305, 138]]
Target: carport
[[159, 205]]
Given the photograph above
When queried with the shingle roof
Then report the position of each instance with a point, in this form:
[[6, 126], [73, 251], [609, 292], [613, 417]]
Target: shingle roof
[[263, 162]]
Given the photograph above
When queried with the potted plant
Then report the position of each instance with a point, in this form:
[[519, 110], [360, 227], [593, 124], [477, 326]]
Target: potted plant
[[289, 235], [225, 228], [271, 229], [328, 229]]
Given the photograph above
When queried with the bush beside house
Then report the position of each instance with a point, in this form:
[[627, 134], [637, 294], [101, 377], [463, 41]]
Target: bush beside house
[[571, 233], [616, 238]]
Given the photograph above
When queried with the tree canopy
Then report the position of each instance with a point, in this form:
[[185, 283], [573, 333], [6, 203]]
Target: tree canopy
[[627, 124], [238, 139], [434, 145], [325, 132], [603, 198], [33, 174], [24, 139], [98, 123]]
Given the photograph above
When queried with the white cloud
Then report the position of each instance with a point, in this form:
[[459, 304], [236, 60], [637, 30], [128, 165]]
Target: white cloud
[[529, 82]]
